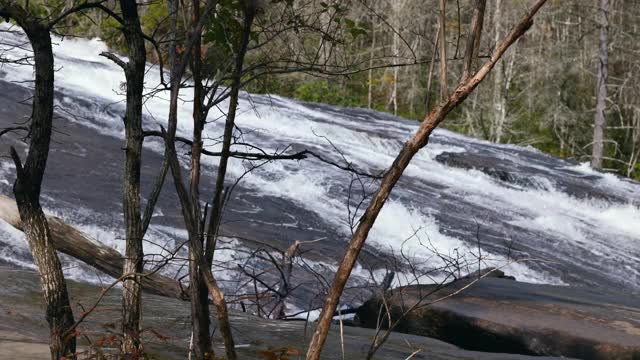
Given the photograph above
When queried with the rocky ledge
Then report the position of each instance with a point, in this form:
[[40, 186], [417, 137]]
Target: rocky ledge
[[23, 330], [499, 314]]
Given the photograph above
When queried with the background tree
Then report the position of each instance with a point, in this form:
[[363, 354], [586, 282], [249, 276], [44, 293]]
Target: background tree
[[601, 87]]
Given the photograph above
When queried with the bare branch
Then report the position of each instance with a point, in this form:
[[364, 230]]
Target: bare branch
[[114, 58]]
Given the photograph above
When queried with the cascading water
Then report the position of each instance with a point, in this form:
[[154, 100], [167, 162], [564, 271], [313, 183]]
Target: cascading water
[[458, 196]]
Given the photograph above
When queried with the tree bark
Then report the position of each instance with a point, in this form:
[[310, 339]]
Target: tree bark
[[444, 88], [28, 184], [393, 99], [218, 198], [191, 222], [200, 316], [430, 74], [473, 38], [410, 148], [499, 101], [133, 262], [370, 71], [601, 87], [284, 286]]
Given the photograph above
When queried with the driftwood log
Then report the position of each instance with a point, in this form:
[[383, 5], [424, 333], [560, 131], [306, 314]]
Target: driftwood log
[[71, 241]]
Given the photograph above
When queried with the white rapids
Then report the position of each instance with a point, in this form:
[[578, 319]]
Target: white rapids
[[444, 206]]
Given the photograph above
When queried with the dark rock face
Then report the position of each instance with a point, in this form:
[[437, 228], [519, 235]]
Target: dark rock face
[[502, 315]]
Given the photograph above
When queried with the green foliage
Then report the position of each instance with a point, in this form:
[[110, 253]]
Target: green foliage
[[112, 34], [355, 28], [225, 30], [155, 17], [328, 92], [43, 9], [317, 91], [550, 109]]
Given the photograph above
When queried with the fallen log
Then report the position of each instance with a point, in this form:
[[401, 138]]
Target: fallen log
[[70, 241]]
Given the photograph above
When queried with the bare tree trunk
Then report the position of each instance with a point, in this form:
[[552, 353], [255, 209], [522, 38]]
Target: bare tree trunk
[[601, 87], [473, 38], [29, 183], [410, 148], [370, 75], [431, 66], [133, 263], [470, 115], [509, 60], [392, 102], [394, 50], [218, 198], [200, 346], [499, 101], [635, 151], [444, 88], [200, 316], [191, 222], [284, 287]]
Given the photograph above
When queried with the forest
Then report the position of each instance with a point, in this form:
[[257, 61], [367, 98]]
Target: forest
[[381, 55], [280, 179]]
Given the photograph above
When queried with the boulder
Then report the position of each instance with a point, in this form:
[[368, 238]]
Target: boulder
[[501, 315]]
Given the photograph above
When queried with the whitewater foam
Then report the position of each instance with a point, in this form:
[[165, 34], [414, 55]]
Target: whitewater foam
[[91, 85]]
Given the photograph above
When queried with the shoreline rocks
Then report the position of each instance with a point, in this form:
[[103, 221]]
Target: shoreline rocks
[[24, 332], [501, 315]]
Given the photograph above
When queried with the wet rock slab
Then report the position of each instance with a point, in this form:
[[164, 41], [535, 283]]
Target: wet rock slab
[[529, 176], [503, 315], [23, 330]]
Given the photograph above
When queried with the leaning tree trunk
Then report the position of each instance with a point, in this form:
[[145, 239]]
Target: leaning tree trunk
[[601, 88], [133, 264], [392, 175], [28, 185]]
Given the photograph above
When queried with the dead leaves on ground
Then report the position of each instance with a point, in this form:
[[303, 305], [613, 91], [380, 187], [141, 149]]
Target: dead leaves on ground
[[282, 353]]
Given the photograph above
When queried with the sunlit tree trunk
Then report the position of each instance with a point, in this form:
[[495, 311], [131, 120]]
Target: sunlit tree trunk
[[430, 72], [601, 87], [28, 185], [370, 72], [393, 98], [499, 101], [442, 39]]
